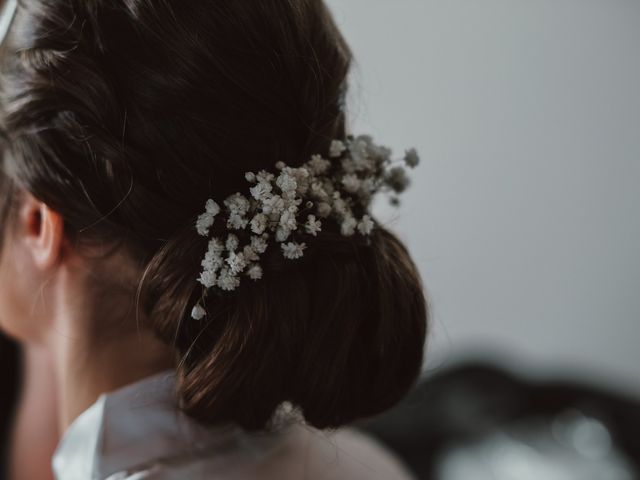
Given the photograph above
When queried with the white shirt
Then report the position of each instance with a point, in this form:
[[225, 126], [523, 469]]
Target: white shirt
[[137, 432]]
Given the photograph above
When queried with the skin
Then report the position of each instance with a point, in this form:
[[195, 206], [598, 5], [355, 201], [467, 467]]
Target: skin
[[52, 300], [49, 302]]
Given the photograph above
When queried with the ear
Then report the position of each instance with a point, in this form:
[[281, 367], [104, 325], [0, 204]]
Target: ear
[[43, 232]]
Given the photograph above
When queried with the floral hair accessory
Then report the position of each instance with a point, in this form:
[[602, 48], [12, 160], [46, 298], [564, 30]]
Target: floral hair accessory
[[289, 207]]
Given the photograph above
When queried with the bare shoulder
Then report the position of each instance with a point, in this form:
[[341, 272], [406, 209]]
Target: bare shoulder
[[345, 454]]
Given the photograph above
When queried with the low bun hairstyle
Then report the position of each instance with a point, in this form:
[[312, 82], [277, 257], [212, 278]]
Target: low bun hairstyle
[[125, 116]]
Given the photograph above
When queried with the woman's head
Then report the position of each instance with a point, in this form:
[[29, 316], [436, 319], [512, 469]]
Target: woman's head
[[124, 117]]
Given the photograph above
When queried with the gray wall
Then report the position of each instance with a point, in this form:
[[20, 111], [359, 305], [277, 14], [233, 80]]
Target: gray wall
[[523, 217]]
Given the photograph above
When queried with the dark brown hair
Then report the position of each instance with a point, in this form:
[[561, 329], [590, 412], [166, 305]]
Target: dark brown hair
[[125, 116]]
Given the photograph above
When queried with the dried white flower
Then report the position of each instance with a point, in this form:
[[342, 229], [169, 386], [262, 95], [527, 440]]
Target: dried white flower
[[265, 177], [287, 183], [254, 271], [227, 281], [237, 222], [198, 313], [250, 176], [398, 180], [324, 209], [282, 234], [293, 250], [288, 219], [337, 148], [411, 158], [259, 223], [236, 262], [259, 244], [318, 165], [261, 190], [351, 183], [348, 226], [237, 204], [250, 254], [365, 226], [204, 223], [207, 278], [313, 226], [280, 165], [232, 242], [273, 204]]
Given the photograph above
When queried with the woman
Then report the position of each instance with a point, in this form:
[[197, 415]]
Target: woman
[[186, 232]]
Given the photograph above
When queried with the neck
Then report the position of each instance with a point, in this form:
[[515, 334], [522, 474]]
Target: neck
[[83, 372]]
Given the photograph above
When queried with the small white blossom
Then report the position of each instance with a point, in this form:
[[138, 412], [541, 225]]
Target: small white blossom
[[232, 242], [250, 176], [411, 158], [280, 165], [317, 191], [237, 204], [227, 281], [259, 244], [250, 254], [288, 219], [207, 278], [261, 190], [318, 165], [313, 226], [324, 209], [273, 204], [340, 206], [397, 179], [265, 177], [282, 234], [259, 223], [365, 226], [293, 250], [287, 183], [348, 226], [237, 222], [198, 313], [204, 223], [215, 246], [336, 149], [255, 271], [212, 208], [351, 183], [212, 261], [236, 262]]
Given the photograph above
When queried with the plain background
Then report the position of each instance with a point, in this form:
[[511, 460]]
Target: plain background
[[523, 215]]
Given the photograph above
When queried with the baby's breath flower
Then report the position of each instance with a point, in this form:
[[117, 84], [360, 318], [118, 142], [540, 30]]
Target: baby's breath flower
[[351, 183], [237, 204], [204, 223], [207, 278], [282, 234], [324, 209], [261, 190], [254, 271], [264, 176], [250, 254], [227, 281], [288, 219], [273, 204], [280, 165], [365, 226], [398, 179], [348, 226], [259, 244], [250, 176], [237, 222], [236, 262], [293, 250], [411, 158], [313, 226], [232, 242], [318, 165], [337, 148], [259, 223], [198, 313]]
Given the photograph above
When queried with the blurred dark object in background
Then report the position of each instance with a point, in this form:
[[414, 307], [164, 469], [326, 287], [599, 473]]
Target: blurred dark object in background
[[478, 421], [9, 373]]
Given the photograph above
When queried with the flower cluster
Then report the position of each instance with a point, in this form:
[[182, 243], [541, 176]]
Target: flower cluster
[[289, 205]]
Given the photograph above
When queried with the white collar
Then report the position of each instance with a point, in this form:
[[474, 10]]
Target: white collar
[[139, 424]]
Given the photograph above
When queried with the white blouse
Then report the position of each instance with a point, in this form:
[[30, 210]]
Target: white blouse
[[137, 432]]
